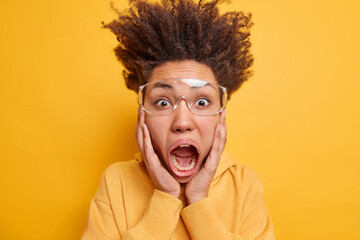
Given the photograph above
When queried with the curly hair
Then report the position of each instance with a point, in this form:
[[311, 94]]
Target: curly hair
[[153, 33]]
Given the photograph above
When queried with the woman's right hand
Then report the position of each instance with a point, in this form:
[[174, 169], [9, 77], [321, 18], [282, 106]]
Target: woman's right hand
[[162, 179]]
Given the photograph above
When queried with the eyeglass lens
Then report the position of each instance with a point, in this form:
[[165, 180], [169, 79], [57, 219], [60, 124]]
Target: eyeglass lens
[[162, 97]]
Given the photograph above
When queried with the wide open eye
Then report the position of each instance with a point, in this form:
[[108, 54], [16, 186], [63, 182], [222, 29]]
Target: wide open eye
[[202, 102], [162, 103]]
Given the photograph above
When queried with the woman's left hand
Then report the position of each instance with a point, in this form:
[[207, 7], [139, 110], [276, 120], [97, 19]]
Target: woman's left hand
[[198, 187]]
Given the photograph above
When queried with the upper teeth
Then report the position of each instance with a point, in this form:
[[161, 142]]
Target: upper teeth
[[184, 145]]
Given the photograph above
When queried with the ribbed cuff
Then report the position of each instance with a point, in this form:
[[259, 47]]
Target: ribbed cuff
[[160, 218], [203, 222]]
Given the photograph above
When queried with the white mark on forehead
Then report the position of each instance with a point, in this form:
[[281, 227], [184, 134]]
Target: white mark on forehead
[[185, 69]]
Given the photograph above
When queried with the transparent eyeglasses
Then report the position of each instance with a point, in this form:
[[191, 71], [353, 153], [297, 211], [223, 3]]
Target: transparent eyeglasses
[[201, 97]]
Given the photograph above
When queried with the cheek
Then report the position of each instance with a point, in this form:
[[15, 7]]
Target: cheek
[[207, 131], [158, 129]]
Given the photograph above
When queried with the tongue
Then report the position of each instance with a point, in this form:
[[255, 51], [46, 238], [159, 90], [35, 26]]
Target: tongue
[[184, 151]]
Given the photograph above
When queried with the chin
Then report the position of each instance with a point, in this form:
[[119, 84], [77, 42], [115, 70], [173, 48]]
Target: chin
[[183, 179]]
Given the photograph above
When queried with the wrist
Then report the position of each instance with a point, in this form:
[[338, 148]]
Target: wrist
[[175, 194], [196, 198]]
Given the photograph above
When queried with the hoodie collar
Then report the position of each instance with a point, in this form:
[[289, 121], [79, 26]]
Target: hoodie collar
[[226, 162]]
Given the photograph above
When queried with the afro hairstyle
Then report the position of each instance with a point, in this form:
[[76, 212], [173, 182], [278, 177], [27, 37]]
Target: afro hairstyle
[[153, 33]]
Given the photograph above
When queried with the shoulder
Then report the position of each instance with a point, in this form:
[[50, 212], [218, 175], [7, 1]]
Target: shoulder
[[119, 174], [241, 172], [125, 172], [246, 174], [119, 168], [243, 176], [247, 183]]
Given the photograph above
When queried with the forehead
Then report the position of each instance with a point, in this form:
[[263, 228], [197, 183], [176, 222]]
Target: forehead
[[183, 69], [187, 84]]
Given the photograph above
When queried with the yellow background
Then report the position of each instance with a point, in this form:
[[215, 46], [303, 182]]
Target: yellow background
[[66, 115]]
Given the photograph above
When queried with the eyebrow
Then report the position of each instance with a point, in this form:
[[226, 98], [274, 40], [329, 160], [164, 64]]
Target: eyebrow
[[168, 86], [162, 85], [207, 85]]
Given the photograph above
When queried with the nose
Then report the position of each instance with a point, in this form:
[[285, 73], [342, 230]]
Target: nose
[[183, 119]]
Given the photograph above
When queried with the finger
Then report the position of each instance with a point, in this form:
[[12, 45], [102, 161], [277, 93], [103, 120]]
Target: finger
[[150, 155], [218, 143], [214, 156], [222, 118], [139, 132], [223, 136], [141, 116], [219, 136]]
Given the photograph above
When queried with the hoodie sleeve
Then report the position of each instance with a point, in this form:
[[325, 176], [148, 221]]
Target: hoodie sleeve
[[101, 223], [203, 222], [158, 222]]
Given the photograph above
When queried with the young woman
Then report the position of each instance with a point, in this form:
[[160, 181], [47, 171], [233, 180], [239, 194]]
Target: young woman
[[184, 60]]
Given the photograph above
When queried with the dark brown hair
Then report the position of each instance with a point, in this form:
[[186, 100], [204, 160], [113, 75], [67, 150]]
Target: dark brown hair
[[153, 33]]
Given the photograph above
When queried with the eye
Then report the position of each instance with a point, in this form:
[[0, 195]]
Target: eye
[[202, 102], [162, 103]]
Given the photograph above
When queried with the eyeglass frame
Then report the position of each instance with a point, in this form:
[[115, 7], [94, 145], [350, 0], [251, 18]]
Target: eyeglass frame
[[225, 96]]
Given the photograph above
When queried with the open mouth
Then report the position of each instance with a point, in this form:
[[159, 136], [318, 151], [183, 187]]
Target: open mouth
[[184, 159]]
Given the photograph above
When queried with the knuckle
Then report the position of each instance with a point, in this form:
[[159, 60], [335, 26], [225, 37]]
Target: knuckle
[[147, 148]]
